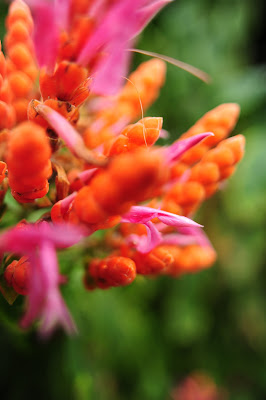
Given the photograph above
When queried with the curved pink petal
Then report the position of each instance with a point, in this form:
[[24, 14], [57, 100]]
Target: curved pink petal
[[142, 214], [39, 242], [54, 311], [111, 38], [178, 148], [146, 243], [24, 238], [111, 71], [46, 32], [71, 137]]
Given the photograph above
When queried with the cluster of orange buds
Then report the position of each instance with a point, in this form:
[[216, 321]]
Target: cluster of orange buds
[[144, 133], [7, 113], [22, 70], [138, 94], [199, 172], [28, 162], [83, 152], [174, 260]]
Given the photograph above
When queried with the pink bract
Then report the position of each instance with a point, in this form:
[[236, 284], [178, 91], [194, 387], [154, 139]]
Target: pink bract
[[39, 242]]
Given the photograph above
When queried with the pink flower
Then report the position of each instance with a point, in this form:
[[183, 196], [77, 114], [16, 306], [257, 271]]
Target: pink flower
[[179, 147], [144, 215], [116, 25], [39, 242], [113, 36]]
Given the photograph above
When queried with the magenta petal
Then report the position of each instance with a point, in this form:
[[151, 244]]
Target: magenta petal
[[62, 127], [143, 243], [178, 148], [176, 220], [142, 214], [62, 10], [46, 33], [54, 312], [66, 202], [87, 175], [37, 289], [110, 40], [71, 137], [111, 71], [115, 29], [23, 239]]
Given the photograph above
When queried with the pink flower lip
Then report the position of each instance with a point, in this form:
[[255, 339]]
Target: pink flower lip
[[144, 215], [39, 242], [178, 148]]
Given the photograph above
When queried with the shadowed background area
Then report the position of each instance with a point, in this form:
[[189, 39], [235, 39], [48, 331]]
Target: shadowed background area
[[139, 342]]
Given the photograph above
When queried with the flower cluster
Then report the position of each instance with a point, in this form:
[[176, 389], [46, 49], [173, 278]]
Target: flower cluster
[[73, 138]]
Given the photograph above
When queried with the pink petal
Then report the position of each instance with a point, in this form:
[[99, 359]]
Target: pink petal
[[142, 214], [66, 202], [62, 10], [71, 137], [62, 127], [111, 71], [88, 174], [23, 239], [36, 291], [54, 310], [178, 148], [46, 33], [111, 39], [116, 27], [143, 243]]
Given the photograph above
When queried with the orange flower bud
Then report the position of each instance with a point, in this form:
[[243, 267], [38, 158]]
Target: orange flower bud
[[17, 275], [110, 272], [28, 161]]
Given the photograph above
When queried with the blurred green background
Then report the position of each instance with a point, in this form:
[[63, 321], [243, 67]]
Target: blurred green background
[[137, 343]]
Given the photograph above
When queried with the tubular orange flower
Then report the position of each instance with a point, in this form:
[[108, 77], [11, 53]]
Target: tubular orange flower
[[203, 179], [110, 272], [140, 91], [28, 161], [143, 133], [221, 121], [17, 275], [130, 177], [22, 71]]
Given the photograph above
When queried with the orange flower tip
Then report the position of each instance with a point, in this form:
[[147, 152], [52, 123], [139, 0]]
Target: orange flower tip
[[110, 272]]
